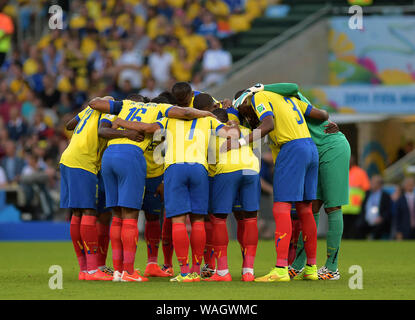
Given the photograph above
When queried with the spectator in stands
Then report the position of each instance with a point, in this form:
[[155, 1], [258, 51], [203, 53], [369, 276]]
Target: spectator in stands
[[182, 65], [358, 185], [375, 216], [8, 102], [130, 65], [403, 151], [164, 9], [197, 82], [52, 59], [16, 126], [160, 63], [140, 39], [194, 43], [34, 181], [405, 211], [216, 62], [150, 91], [11, 163], [208, 27], [50, 95]]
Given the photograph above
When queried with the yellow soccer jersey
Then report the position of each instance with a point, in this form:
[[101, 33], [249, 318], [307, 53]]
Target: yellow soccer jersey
[[103, 143], [274, 149], [235, 159], [288, 114], [138, 111], [85, 148], [188, 140], [154, 159]]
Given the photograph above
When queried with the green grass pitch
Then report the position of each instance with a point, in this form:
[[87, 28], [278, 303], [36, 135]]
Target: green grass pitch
[[387, 269]]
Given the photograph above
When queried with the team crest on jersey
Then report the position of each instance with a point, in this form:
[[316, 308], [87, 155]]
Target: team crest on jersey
[[260, 108]]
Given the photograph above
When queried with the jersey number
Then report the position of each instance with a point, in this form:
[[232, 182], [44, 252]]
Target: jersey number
[[84, 119], [296, 110], [133, 115]]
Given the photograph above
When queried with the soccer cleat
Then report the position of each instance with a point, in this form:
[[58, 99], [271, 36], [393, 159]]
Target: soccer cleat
[[276, 274], [106, 270], [154, 270], [207, 272], [195, 276], [135, 277], [310, 272], [248, 277], [295, 274], [179, 278], [117, 276], [325, 274], [168, 270], [98, 276], [216, 277], [81, 275]]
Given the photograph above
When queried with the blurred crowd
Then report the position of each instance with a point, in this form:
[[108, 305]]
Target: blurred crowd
[[106, 47]]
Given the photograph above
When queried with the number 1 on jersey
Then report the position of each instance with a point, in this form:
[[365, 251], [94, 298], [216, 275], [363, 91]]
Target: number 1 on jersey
[[192, 129]]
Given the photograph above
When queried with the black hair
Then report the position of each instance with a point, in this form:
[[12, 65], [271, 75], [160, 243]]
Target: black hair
[[203, 101], [221, 114], [160, 99], [181, 91], [170, 97], [238, 94], [135, 97]]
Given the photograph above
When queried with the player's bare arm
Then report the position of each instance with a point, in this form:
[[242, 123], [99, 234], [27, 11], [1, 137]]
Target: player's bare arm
[[318, 114], [331, 127], [144, 128], [231, 131], [71, 124], [188, 113], [266, 126], [101, 104], [107, 132]]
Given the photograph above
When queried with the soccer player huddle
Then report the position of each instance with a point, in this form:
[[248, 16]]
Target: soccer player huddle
[[189, 157]]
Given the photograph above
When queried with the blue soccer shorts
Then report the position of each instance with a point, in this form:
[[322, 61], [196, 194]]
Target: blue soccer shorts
[[296, 171], [235, 191], [124, 172], [78, 188], [186, 189]]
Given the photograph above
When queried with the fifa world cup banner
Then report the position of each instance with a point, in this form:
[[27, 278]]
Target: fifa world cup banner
[[382, 53], [364, 99]]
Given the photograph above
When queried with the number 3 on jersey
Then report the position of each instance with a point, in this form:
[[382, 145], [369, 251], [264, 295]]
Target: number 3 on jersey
[[84, 119], [296, 110]]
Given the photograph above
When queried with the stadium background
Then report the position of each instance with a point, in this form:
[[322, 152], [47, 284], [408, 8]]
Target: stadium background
[[364, 78]]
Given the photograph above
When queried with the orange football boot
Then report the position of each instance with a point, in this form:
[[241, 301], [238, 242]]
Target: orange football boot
[[98, 276], [135, 277], [154, 270], [248, 277], [217, 277]]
